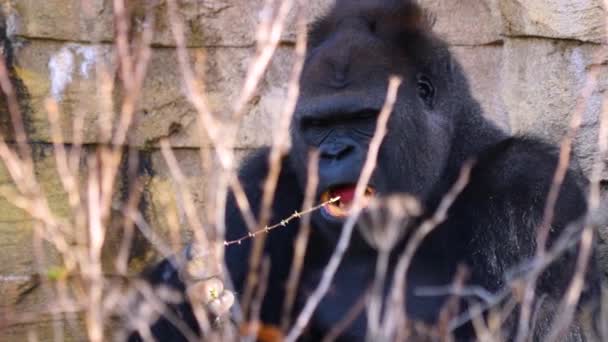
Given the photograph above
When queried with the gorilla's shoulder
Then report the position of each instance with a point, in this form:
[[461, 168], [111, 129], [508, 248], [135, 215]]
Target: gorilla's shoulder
[[255, 163], [522, 157], [522, 168], [254, 170]]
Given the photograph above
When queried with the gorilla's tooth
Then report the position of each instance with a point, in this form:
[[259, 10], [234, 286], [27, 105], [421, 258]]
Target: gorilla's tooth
[[325, 197], [336, 209]]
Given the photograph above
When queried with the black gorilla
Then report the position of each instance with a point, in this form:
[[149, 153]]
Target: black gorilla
[[434, 128]]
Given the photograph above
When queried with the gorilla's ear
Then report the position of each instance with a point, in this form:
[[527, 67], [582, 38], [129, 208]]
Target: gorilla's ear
[[394, 18]]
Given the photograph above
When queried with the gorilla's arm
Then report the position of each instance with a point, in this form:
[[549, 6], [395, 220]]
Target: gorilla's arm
[[278, 246], [493, 225]]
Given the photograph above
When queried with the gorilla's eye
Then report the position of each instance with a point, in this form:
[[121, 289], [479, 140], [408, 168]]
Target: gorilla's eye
[[426, 90]]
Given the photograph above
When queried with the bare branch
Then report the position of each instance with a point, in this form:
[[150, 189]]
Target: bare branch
[[396, 305], [347, 229], [301, 240]]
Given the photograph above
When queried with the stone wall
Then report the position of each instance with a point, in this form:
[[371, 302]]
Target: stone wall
[[528, 62]]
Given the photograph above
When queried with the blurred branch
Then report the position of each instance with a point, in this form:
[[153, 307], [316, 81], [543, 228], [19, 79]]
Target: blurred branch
[[357, 205]]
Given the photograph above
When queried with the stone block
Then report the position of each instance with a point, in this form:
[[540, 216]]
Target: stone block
[[165, 206], [206, 23], [67, 73], [28, 259], [466, 22], [44, 328], [71, 20], [165, 112], [542, 82], [16, 226], [482, 66], [560, 19]]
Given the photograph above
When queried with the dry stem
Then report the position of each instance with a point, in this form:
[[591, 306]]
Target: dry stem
[[366, 173]]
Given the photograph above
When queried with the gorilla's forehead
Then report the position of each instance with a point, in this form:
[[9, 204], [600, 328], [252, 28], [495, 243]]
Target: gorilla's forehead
[[405, 13], [358, 45], [396, 17], [364, 42]]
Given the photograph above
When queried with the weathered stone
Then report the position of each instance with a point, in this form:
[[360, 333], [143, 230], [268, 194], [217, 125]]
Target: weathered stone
[[542, 82], [66, 72], [165, 112], [43, 328], [25, 255], [59, 43], [6, 125], [468, 22], [482, 66], [211, 22], [222, 23], [16, 226], [71, 20], [313, 10], [28, 258], [206, 23], [561, 19], [165, 207]]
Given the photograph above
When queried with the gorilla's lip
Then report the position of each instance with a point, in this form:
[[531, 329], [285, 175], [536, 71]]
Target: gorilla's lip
[[341, 208]]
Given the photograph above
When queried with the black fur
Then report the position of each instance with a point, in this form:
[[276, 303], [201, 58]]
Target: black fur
[[435, 127]]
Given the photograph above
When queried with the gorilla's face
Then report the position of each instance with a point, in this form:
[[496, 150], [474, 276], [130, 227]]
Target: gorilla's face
[[343, 88]]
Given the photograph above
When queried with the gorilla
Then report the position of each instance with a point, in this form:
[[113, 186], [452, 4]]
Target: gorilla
[[434, 129]]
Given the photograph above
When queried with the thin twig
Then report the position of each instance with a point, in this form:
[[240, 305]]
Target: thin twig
[[97, 232], [348, 319], [366, 173], [569, 303], [396, 306], [544, 228], [258, 299], [215, 129], [283, 223], [152, 298], [280, 144], [15, 114], [200, 233], [301, 242]]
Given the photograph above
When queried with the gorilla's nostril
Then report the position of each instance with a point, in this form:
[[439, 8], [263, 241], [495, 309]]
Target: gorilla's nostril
[[339, 80], [345, 151], [335, 151], [340, 76]]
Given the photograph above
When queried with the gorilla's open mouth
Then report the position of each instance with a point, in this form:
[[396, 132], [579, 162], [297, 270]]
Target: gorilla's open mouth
[[346, 192]]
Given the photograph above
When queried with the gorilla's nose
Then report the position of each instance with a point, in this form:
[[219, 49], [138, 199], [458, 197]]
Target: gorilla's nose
[[335, 150]]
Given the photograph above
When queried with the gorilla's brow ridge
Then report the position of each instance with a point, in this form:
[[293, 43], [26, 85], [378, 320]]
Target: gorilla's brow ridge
[[327, 105]]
